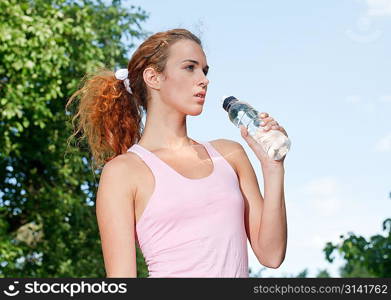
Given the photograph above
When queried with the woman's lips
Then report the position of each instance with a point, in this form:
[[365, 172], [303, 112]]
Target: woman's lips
[[200, 99]]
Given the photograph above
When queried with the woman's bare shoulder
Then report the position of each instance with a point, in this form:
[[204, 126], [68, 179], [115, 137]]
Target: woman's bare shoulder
[[127, 168], [226, 146], [128, 161]]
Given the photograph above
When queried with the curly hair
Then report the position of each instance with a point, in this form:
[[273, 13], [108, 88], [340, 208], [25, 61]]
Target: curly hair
[[110, 118]]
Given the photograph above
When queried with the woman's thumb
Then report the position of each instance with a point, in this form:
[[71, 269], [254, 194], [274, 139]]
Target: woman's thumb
[[243, 130]]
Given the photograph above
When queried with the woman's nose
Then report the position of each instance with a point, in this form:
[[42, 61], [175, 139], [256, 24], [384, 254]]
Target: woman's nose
[[204, 81]]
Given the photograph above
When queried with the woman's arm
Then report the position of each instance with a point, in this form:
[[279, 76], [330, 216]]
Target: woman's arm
[[265, 219], [272, 235], [273, 229], [115, 215]]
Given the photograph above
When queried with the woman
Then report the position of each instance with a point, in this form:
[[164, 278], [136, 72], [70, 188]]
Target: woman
[[190, 206]]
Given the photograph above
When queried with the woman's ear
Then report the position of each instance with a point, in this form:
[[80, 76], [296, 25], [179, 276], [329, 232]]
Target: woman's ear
[[152, 78]]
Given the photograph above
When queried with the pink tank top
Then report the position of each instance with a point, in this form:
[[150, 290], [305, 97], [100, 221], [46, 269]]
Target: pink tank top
[[193, 227]]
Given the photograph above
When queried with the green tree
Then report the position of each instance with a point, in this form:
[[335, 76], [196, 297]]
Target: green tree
[[364, 258], [302, 274], [48, 224], [323, 274], [253, 274]]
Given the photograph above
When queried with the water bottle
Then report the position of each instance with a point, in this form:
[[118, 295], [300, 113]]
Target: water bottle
[[273, 142]]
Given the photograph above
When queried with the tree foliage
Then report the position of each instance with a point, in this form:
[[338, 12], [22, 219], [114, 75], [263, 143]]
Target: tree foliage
[[48, 224], [364, 258]]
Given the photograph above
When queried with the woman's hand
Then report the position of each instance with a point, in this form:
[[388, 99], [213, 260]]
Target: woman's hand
[[267, 124]]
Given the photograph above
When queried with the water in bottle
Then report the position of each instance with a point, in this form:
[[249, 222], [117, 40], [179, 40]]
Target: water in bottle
[[274, 142]]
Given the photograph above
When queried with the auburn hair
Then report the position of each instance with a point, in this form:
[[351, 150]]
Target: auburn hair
[[107, 116]]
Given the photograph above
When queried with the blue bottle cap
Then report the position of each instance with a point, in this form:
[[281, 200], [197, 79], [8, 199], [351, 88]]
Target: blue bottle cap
[[227, 102]]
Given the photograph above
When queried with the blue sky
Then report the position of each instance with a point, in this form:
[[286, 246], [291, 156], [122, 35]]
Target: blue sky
[[322, 70]]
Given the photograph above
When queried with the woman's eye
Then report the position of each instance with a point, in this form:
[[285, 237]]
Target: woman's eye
[[191, 66]]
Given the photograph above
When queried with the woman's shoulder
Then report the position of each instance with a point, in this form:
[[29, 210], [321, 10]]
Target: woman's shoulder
[[129, 169], [226, 145], [124, 160], [128, 164]]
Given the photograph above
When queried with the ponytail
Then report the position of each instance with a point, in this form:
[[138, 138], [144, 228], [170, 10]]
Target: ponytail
[[107, 115]]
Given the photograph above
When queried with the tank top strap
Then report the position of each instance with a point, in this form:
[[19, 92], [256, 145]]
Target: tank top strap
[[213, 153], [157, 167], [223, 167]]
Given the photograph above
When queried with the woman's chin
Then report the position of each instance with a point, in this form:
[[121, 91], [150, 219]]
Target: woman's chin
[[195, 112]]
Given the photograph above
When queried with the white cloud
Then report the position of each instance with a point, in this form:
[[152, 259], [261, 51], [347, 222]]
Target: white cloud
[[368, 107], [371, 104], [385, 99], [321, 186], [353, 99], [364, 31], [322, 195], [384, 144], [378, 8]]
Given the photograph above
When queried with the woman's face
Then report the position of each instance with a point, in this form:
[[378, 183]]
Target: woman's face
[[185, 77]]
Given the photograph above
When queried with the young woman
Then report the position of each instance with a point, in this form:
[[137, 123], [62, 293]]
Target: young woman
[[190, 206]]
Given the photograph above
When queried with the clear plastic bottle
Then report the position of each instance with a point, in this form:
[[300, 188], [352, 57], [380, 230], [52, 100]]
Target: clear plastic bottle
[[274, 142]]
